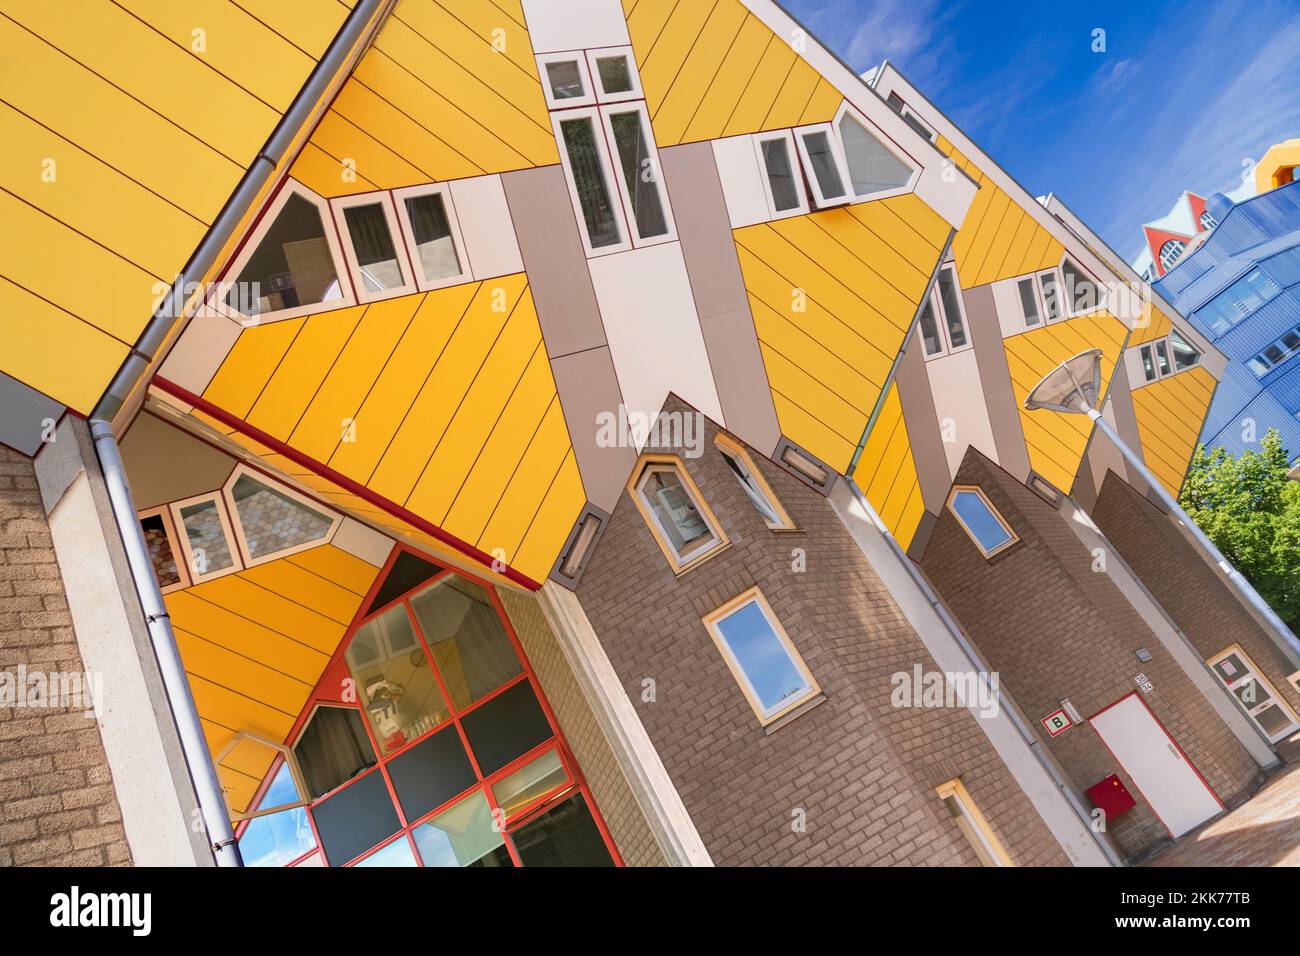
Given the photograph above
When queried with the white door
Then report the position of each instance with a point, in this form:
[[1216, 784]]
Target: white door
[[1260, 698], [1168, 782]]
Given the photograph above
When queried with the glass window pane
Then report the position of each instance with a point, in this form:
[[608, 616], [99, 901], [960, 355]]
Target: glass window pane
[[1185, 355], [1148, 364], [1252, 693], [1083, 293], [1028, 301], [780, 174], [589, 182], [1051, 295], [431, 773], [397, 853], [1162, 357], [462, 835], [358, 817], [470, 645], [209, 547], [1272, 720], [872, 167], [615, 77], [506, 727], [276, 839], [981, 521], [273, 521], [562, 836], [372, 243], [433, 240], [948, 298], [1231, 668], [534, 779], [750, 484], [673, 506], [639, 173], [332, 749], [566, 80], [762, 656], [827, 171], [930, 339], [160, 551], [292, 265], [396, 686]]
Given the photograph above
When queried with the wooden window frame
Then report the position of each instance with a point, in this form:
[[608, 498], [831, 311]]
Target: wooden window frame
[[228, 491], [755, 596], [733, 448], [680, 564], [407, 232], [997, 515], [227, 525], [173, 541], [401, 248], [955, 789]]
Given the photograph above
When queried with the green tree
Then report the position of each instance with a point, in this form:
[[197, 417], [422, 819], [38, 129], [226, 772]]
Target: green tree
[[1252, 514]]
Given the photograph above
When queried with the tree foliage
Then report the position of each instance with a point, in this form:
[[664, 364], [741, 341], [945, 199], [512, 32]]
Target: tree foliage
[[1252, 514]]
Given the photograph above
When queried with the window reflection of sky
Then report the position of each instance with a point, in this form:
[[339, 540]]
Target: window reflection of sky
[[762, 656], [975, 514], [277, 838]]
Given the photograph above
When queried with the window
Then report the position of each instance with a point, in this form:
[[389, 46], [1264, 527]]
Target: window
[[271, 521], [290, 265], [922, 128], [1237, 301], [753, 484], [942, 322], [370, 232], [821, 156], [773, 676], [1207, 221], [614, 71], [1082, 293], [471, 648], [205, 536], [279, 838], [641, 181], [1029, 301], [1170, 252], [672, 506], [565, 80], [781, 179], [980, 520], [159, 536], [1162, 357], [590, 180], [873, 167], [1148, 363], [1064, 292], [332, 749], [1272, 356], [1185, 354], [1051, 295], [1166, 356], [972, 824], [429, 221]]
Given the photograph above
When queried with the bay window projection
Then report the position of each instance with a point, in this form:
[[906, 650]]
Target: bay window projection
[[291, 263], [273, 522], [872, 166], [680, 521]]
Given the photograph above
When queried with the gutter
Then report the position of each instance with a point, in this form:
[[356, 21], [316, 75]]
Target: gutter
[[180, 699]]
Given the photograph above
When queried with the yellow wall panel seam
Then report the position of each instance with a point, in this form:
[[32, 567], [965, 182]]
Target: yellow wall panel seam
[[690, 86], [645, 30]]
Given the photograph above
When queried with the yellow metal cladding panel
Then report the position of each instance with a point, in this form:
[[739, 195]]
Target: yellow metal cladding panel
[[1169, 415], [1157, 326], [442, 403], [886, 471], [434, 100], [110, 173], [833, 294], [711, 68], [1056, 441], [999, 239], [254, 644]]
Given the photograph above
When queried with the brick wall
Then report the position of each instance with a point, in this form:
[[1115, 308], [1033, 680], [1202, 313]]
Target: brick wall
[[57, 804], [1054, 628], [618, 806], [862, 771], [1188, 588]]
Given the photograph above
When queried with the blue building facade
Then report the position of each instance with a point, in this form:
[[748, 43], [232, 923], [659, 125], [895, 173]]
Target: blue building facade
[[1241, 288]]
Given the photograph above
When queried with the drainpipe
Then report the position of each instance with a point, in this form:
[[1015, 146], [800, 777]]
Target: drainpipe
[[1030, 738], [203, 772]]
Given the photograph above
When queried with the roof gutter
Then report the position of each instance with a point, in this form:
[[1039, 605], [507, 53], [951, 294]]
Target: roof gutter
[[180, 699]]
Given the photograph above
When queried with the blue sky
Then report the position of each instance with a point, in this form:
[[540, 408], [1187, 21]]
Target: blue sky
[[1183, 93]]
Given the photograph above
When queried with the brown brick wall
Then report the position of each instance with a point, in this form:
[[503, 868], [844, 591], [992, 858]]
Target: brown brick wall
[[1054, 628], [627, 825], [57, 803], [1195, 597], [863, 771]]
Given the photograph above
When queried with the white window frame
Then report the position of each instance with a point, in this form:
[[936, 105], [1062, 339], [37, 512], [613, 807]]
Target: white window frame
[[940, 315], [1039, 303], [574, 56], [837, 155], [217, 299], [680, 563], [624, 194], [755, 596], [245, 555], [636, 93], [886, 142], [1011, 542], [796, 168], [1103, 294], [164, 513], [401, 248], [612, 177], [227, 526], [422, 283]]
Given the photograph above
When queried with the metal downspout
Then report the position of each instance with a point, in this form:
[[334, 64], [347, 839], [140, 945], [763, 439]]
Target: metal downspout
[[954, 629], [203, 771]]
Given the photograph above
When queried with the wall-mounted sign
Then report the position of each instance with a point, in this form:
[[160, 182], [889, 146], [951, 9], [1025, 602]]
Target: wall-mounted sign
[[1057, 722], [1144, 684]]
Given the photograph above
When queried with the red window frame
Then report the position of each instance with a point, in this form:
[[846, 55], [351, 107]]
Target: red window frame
[[574, 785]]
